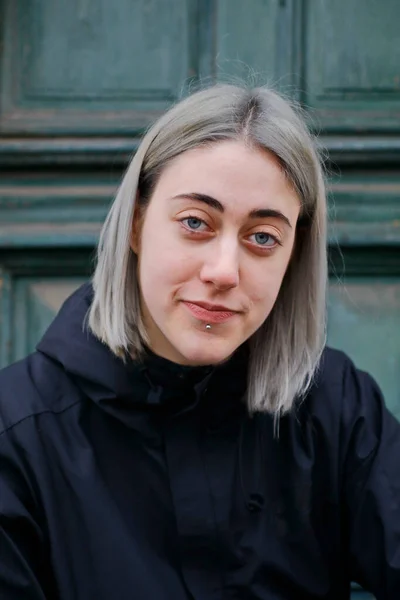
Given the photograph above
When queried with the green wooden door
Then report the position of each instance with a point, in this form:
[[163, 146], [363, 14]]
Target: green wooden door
[[80, 81]]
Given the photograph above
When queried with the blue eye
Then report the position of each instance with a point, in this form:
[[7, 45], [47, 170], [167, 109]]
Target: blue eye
[[264, 239], [193, 222]]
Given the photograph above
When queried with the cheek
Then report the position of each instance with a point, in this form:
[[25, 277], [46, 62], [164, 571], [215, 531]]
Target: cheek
[[163, 265], [164, 256], [265, 283]]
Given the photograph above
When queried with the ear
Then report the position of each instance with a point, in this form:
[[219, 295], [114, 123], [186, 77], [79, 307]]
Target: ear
[[136, 226]]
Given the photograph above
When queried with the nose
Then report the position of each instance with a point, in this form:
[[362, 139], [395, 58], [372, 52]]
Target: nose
[[222, 266]]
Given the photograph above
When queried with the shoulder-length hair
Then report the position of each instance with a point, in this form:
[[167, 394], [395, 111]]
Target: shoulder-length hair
[[286, 349]]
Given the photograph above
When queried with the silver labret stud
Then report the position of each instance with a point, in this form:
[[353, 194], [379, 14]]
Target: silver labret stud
[[208, 327]]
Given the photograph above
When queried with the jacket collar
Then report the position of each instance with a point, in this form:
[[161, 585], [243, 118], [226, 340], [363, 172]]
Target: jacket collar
[[113, 383]]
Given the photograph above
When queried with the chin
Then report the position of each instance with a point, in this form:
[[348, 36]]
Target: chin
[[202, 353]]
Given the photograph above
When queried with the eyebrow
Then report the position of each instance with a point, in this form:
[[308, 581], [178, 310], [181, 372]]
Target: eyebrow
[[259, 213]]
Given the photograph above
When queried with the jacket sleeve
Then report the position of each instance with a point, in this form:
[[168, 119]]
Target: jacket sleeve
[[21, 541], [371, 487]]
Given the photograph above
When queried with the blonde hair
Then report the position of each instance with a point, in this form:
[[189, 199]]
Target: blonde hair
[[286, 350]]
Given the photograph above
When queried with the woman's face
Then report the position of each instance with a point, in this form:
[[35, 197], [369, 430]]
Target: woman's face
[[214, 246]]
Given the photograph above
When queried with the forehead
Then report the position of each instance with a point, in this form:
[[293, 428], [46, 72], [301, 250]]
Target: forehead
[[236, 174]]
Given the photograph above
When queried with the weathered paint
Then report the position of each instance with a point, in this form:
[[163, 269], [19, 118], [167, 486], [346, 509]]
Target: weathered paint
[[364, 320], [36, 301], [5, 317]]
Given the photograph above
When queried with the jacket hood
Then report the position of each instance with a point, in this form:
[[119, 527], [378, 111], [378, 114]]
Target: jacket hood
[[110, 381], [135, 391]]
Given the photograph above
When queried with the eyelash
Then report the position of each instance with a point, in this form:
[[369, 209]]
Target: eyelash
[[258, 246]]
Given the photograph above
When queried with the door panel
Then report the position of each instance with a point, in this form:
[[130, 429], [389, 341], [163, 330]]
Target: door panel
[[352, 75], [29, 304], [54, 209], [36, 302], [365, 209], [92, 65], [364, 321], [247, 41]]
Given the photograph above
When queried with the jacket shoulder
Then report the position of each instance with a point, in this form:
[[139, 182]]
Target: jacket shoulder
[[338, 371], [343, 393], [33, 386], [332, 368]]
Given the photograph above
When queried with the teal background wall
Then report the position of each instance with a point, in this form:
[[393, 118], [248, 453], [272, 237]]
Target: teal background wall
[[81, 80]]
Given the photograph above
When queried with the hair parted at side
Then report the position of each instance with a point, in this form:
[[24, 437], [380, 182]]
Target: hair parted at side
[[286, 350]]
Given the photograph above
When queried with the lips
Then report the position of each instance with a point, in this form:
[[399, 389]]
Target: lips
[[210, 313]]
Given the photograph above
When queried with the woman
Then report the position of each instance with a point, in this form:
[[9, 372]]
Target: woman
[[181, 432]]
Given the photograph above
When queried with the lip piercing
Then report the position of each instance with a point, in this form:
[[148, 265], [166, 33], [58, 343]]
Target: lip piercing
[[208, 327]]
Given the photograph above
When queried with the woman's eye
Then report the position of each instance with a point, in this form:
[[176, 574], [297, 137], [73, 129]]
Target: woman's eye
[[193, 223], [264, 239]]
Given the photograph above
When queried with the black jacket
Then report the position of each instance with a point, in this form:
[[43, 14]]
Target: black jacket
[[150, 482]]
